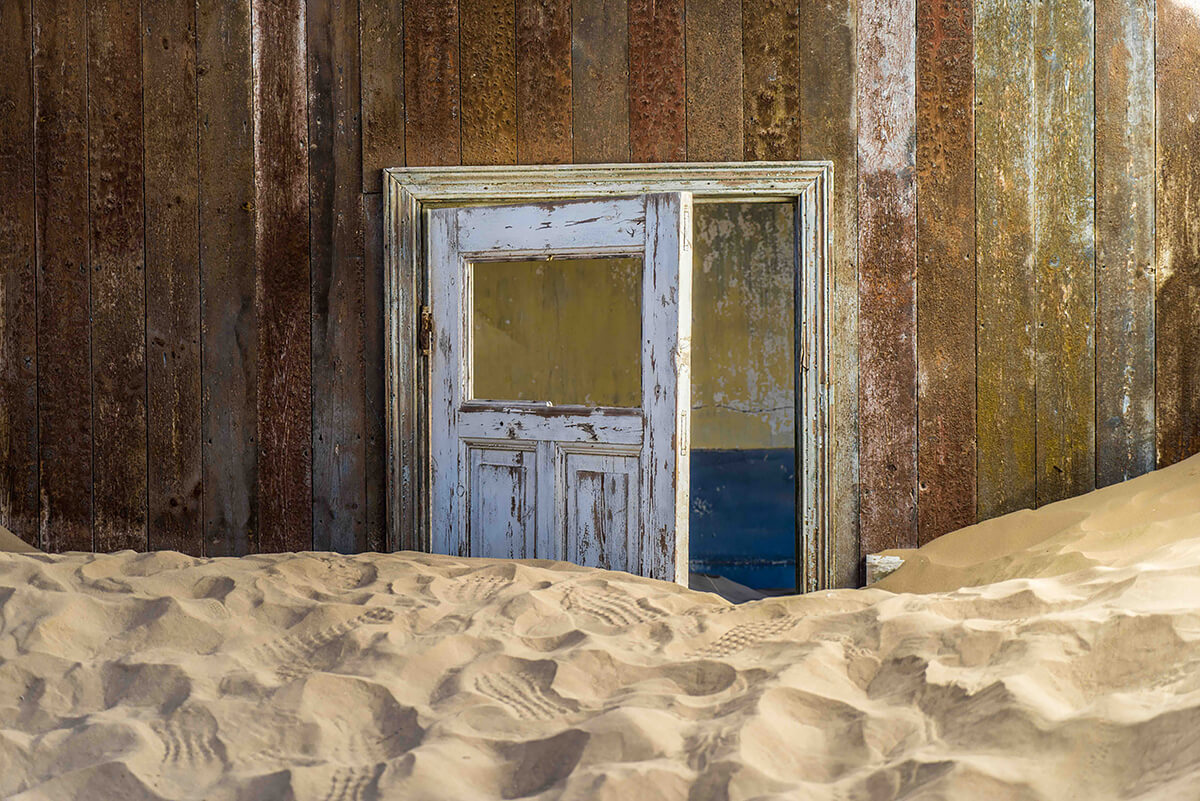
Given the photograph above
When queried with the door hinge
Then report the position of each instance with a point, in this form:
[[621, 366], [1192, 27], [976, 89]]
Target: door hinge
[[425, 331]]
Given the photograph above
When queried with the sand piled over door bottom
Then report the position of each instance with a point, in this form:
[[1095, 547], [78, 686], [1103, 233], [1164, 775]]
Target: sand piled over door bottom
[[1071, 670]]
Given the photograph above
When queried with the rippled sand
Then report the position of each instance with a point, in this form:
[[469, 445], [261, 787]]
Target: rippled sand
[[405, 676]]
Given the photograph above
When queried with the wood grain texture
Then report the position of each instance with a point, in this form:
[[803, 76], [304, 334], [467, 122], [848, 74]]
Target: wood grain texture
[[1177, 358], [1004, 175], [1124, 239], [544, 101], [118, 292], [431, 83], [771, 79], [713, 38], [600, 81], [488, 44], [657, 97], [828, 62], [373, 357], [18, 278], [945, 267], [229, 334], [335, 223], [283, 276], [887, 278], [63, 327], [381, 53], [174, 457], [1065, 250]]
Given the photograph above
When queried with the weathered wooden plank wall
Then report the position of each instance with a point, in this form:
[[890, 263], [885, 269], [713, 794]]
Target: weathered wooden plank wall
[[191, 245]]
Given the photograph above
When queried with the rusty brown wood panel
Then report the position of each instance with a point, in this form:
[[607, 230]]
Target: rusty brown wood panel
[[657, 98], [713, 36], [283, 275], [543, 81], [431, 83], [382, 67], [887, 274], [373, 356], [771, 79], [715, 130], [339, 422], [1177, 226], [18, 278], [229, 335], [118, 280], [174, 456], [1006, 314], [945, 267], [600, 81], [488, 41], [829, 130], [63, 329], [1124, 239], [1064, 249]]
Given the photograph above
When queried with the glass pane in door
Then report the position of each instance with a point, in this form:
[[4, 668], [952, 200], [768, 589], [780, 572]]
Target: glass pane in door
[[563, 330]]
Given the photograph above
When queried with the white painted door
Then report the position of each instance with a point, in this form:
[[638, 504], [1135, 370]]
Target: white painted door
[[551, 469]]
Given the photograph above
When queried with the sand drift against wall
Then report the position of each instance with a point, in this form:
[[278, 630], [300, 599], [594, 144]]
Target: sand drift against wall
[[145, 676]]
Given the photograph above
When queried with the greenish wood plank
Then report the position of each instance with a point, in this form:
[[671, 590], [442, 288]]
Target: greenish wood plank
[[600, 81], [1064, 249], [713, 34], [1124, 239], [771, 79], [829, 130], [1004, 181]]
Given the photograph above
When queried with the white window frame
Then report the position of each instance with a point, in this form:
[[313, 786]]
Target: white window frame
[[409, 191]]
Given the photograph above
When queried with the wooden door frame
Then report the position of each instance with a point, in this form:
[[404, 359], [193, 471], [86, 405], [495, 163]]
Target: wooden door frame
[[408, 191]]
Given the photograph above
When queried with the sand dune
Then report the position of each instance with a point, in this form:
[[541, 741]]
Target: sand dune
[[1070, 670]]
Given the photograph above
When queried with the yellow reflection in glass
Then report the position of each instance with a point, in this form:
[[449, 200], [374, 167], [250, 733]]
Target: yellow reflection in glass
[[562, 330]]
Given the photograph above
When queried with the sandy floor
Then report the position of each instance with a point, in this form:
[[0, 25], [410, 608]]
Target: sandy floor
[[315, 676]]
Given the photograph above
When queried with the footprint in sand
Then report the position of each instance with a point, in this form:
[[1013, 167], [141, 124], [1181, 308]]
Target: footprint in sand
[[296, 655], [616, 611], [353, 783], [521, 695], [189, 739], [745, 635]]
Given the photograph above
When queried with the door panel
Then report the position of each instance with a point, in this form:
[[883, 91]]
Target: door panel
[[502, 498], [601, 500], [521, 477]]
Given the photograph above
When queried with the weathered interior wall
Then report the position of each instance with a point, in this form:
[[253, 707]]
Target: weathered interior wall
[[190, 244]]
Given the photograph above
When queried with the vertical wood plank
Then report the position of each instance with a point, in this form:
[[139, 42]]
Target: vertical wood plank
[[828, 60], [771, 79], [373, 356], [18, 278], [382, 89], [335, 219], [657, 110], [600, 81], [1004, 174], [63, 328], [174, 456], [1065, 250], [1124, 239], [887, 280], [283, 276], [118, 276], [543, 81], [1177, 359], [715, 127], [229, 334], [488, 41], [431, 83], [945, 267]]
